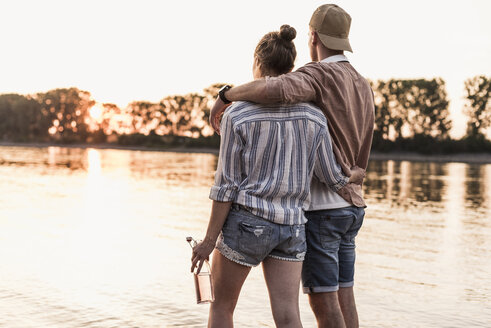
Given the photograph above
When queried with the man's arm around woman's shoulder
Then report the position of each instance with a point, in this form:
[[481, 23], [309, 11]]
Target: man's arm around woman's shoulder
[[294, 87]]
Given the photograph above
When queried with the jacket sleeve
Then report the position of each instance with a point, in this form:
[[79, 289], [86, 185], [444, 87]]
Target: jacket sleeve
[[294, 87]]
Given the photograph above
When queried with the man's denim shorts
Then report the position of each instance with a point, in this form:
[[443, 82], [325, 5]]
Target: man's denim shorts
[[248, 239], [330, 259]]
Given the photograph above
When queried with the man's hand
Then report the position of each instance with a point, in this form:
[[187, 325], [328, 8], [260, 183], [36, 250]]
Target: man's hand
[[216, 114], [357, 175], [201, 252]]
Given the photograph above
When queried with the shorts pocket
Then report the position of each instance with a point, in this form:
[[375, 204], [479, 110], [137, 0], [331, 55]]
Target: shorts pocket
[[254, 239], [332, 229]]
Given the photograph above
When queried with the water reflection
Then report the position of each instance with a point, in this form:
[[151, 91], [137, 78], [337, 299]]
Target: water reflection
[[95, 238], [181, 169], [451, 231], [428, 225], [94, 167], [408, 183], [475, 189], [50, 157]]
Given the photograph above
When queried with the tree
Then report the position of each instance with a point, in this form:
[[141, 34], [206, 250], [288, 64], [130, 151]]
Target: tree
[[7, 115], [68, 111], [111, 119], [29, 122], [21, 118], [390, 114], [405, 108], [478, 106], [183, 115], [427, 106], [210, 93], [384, 118], [143, 116]]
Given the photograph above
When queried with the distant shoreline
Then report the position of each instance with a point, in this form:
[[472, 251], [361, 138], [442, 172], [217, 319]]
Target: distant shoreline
[[111, 146], [471, 158]]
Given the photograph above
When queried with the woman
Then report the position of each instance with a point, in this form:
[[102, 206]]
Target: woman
[[267, 159]]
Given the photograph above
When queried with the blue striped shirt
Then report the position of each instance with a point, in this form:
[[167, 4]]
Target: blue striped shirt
[[268, 155]]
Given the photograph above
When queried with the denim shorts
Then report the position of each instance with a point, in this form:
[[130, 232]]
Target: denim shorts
[[330, 259], [248, 239]]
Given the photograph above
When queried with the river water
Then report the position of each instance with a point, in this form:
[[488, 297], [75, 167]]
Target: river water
[[96, 238]]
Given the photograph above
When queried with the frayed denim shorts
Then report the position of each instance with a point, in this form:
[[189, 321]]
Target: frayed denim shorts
[[248, 239]]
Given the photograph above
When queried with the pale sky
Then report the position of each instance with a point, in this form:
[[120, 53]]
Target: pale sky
[[144, 50]]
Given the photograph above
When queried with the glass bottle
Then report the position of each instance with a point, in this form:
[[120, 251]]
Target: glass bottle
[[202, 280]]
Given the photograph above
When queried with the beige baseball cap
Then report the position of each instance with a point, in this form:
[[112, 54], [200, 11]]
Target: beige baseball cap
[[332, 24]]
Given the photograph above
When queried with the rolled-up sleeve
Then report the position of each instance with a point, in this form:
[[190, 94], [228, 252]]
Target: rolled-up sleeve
[[291, 88], [326, 168], [229, 174]]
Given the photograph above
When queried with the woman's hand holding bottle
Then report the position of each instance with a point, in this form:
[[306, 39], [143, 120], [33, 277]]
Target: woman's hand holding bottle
[[201, 252]]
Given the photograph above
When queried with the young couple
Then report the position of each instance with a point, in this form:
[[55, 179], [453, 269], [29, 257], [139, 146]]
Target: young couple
[[287, 189]]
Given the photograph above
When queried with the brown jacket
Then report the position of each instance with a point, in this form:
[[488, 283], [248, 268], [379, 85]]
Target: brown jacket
[[346, 99]]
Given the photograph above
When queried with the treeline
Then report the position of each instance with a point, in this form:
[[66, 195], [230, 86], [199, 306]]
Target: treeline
[[410, 115], [413, 115], [69, 116]]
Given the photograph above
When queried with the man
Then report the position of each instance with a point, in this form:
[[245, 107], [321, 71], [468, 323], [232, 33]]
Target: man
[[346, 99]]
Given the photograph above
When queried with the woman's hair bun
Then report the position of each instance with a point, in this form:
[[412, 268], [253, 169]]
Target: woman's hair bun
[[287, 33]]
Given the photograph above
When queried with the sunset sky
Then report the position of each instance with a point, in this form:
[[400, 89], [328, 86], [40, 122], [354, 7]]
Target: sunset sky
[[144, 50]]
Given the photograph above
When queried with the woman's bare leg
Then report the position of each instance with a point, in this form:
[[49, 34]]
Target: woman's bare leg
[[228, 278], [283, 281]]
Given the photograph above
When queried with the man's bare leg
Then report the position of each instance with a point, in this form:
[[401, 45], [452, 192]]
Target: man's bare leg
[[327, 310], [348, 306], [228, 278]]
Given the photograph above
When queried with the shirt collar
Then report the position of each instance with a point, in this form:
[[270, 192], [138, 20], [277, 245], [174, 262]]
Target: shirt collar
[[335, 58]]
